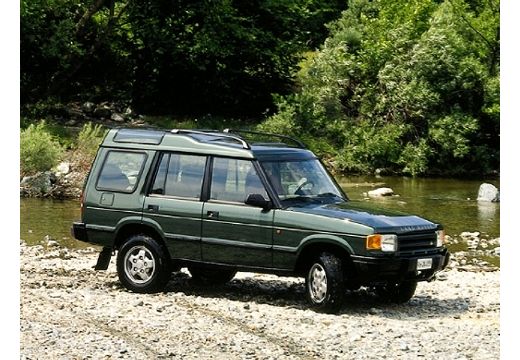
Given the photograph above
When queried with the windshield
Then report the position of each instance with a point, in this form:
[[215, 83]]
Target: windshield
[[297, 180]]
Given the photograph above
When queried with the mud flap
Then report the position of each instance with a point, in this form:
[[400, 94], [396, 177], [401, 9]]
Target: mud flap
[[104, 259]]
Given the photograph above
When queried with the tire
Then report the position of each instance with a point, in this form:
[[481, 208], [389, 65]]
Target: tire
[[324, 283], [397, 293], [210, 275], [143, 265]]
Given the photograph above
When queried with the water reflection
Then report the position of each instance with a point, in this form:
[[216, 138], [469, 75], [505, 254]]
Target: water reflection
[[487, 211]]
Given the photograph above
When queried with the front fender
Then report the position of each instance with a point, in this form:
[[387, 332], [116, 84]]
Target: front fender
[[325, 239]]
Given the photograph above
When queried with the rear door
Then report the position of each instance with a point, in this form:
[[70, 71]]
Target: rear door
[[174, 202], [233, 232], [113, 194]]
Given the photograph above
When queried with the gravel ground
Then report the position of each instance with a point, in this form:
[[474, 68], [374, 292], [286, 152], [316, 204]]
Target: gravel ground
[[70, 311]]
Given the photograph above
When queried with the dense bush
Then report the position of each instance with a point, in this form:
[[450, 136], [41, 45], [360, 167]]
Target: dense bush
[[86, 146], [168, 56], [407, 85], [39, 151]]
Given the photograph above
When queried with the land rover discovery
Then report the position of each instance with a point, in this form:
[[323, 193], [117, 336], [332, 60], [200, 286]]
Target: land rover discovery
[[221, 202]]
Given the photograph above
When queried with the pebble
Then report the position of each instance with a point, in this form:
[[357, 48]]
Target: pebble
[[97, 318]]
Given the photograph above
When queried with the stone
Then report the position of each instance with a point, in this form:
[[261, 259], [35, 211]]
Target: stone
[[63, 168], [88, 107], [488, 192], [381, 192], [117, 117], [102, 111], [40, 183], [469, 235]]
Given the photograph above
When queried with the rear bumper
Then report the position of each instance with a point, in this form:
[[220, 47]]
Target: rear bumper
[[371, 270], [79, 231]]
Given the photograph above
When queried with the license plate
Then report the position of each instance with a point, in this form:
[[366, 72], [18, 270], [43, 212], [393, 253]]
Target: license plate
[[424, 264]]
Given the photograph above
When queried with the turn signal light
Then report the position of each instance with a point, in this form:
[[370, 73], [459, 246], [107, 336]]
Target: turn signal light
[[374, 242], [386, 242]]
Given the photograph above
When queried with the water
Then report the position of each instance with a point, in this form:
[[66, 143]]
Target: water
[[446, 201], [450, 202], [42, 217]]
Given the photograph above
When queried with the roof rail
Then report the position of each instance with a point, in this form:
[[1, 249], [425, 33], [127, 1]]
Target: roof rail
[[283, 137], [217, 135]]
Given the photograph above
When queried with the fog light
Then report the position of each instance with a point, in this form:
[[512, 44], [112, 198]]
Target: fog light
[[386, 243], [440, 237]]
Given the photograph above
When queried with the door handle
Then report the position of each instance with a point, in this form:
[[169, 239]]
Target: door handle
[[212, 214], [153, 208]]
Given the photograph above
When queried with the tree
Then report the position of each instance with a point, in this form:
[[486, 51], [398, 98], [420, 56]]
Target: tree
[[407, 85]]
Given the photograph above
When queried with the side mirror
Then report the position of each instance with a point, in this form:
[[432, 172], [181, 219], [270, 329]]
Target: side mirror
[[258, 200]]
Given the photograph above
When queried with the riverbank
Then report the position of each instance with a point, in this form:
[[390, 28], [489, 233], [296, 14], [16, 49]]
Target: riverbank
[[69, 310]]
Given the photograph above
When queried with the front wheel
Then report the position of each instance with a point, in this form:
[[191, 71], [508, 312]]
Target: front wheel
[[397, 293], [324, 283], [143, 266]]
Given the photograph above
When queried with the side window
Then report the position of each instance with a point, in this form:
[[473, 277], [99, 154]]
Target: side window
[[121, 171], [233, 180], [179, 175]]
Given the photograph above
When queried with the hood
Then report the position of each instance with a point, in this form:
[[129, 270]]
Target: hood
[[381, 220]]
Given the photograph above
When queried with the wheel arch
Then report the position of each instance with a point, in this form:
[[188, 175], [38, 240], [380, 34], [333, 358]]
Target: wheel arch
[[132, 228], [312, 247]]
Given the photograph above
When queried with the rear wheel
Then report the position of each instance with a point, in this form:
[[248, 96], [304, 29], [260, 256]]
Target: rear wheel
[[397, 293], [211, 276], [143, 266], [324, 283]]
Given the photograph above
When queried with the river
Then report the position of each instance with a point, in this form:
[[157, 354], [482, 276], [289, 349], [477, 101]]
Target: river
[[451, 202]]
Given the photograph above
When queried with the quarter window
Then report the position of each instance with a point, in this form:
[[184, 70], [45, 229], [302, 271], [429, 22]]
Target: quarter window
[[179, 175], [121, 171], [233, 180]]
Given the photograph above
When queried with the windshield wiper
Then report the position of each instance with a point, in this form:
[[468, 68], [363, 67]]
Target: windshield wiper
[[329, 195], [301, 198]]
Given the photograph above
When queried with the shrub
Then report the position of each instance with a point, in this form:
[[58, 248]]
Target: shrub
[[87, 145], [39, 151]]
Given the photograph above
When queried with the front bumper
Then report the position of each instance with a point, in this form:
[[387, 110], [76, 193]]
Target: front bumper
[[79, 231], [372, 270]]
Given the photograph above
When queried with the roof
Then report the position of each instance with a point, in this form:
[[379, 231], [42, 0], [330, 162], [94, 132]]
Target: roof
[[233, 143]]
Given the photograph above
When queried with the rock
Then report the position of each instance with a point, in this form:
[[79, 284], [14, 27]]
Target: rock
[[117, 117], [129, 111], [52, 243], [38, 184], [374, 311], [88, 107], [496, 251], [488, 192], [469, 235], [102, 111], [381, 192], [63, 168]]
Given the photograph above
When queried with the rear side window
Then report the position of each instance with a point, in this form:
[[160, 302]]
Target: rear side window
[[121, 171], [180, 175], [233, 180]]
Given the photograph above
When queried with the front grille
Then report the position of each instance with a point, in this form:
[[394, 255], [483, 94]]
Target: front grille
[[416, 242]]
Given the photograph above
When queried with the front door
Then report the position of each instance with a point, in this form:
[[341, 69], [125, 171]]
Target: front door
[[174, 202], [233, 232]]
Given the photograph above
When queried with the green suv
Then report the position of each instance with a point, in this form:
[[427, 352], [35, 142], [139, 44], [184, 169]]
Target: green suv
[[222, 202]]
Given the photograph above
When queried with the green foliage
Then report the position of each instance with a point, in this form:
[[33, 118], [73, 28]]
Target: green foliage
[[88, 141], [407, 85], [39, 151], [168, 56]]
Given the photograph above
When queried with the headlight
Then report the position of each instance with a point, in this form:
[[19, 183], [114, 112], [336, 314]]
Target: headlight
[[440, 237], [386, 243]]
